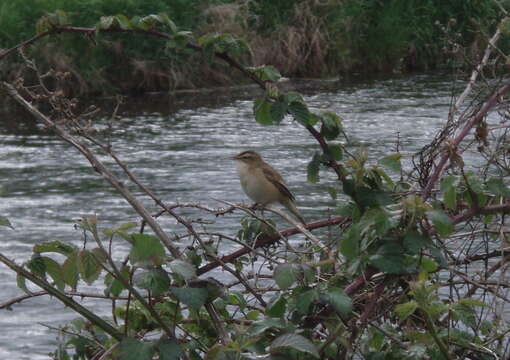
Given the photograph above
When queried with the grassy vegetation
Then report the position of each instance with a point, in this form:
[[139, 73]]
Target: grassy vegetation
[[303, 38]]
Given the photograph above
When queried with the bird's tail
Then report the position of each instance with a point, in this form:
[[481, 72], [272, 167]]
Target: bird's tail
[[289, 204]]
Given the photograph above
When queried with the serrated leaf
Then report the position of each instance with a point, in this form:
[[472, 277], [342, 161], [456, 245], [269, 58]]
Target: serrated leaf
[[146, 248], [300, 112], [338, 300], [259, 327], [235, 298], [276, 306], [36, 265], [313, 169], [305, 299], [296, 342], [5, 222], [331, 125], [56, 247], [183, 269], [286, 274], [262, 111], [335, 152], [266, 73], [165, 20], [169, 349], [472, 302], [54, 270], [414, 242], [449, 191], [156, 281], [428, 264], [391, 162], [405, 310], [88, 266], [193, 297], [498, 187], [123, 22], [389, 259], [132, 349], [442, 222], [278, 111], [21, 282], [350, 243], [333, 193], [70, 271], [270, 73]]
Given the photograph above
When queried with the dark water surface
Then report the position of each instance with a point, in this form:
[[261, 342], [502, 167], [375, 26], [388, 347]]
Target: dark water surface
[[181, 148]]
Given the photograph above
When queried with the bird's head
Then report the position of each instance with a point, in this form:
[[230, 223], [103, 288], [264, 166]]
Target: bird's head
[[248, 157]]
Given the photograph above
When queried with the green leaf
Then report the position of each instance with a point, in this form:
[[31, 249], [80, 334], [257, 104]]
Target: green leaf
[[305, 299], [5, 222], [132, 349], [121, 229], [54, 269], [313, 169], [472, 302], [498, 187], [156, 281], [428, 264], [165, 20], [56, 247], [123, 22], [105, 22], [392, 162], [259, 327], [278, 111], [70, 271], [414, 242], [405, 310], [287, 274], [169, 349], [146, 248], [88, 266], [21, 282], [300, 112], [331, 125], [236, 298], [193, 297], [296, 342], [183, 269], [382, 222], [276, 306], [333, 193], [335, 152], [350, 243], [449, 190], [390, 259], [37, 266], [266, 73], [338, 300], [262, 111], [441, 221]]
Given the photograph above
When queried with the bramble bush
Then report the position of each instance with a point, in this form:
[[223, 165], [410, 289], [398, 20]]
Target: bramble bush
[[391, 280]]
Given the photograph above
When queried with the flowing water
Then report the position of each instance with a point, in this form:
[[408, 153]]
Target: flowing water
[[181, 148]]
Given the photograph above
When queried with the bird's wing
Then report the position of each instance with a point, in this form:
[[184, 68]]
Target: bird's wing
[[277, 180]]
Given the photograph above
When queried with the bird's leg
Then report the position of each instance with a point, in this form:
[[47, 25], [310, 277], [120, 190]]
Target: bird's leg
[[255, 206]]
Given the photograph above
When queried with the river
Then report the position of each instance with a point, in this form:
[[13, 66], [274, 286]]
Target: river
[[181, 147]]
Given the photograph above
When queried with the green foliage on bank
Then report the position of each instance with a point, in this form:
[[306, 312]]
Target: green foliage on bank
[[299, 37]]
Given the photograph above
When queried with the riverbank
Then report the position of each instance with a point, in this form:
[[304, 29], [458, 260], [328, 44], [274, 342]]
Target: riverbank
[[301, 38]]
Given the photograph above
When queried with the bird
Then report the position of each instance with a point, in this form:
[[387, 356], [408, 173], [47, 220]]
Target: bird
[[262, 183]]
